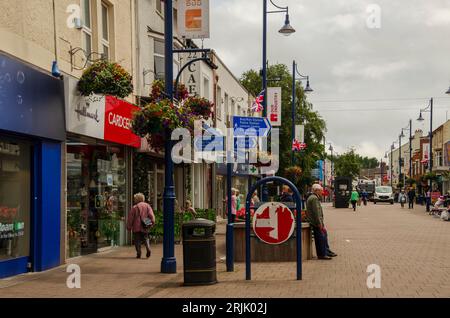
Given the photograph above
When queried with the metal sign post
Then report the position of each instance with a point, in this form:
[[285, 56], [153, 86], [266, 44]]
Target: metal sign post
[[298, 201]]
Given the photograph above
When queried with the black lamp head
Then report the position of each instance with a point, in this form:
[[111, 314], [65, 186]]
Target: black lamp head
[[287, 29]]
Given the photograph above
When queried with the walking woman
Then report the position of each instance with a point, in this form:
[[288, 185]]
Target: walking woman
[[354, 199], [140, 220]]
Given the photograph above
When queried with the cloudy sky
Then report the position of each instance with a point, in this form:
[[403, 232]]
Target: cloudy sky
[[368, 82]]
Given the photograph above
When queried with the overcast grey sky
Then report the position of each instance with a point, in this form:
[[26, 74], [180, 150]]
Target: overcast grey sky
[[368, 82]]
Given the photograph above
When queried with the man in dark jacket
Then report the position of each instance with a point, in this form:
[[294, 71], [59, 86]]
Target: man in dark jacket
[[411, 198], [286, 194], [314, 216]]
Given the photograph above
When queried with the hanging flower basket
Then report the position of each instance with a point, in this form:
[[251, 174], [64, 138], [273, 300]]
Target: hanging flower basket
[[199, 106], [293, 173], [157, 91], [106, 78], [152, 120]]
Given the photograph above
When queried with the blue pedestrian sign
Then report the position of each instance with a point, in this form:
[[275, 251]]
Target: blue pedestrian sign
[[211, 140], [251, 126], [248, 129]]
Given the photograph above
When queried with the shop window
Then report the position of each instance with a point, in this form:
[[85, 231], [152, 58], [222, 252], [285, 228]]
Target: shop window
[[219, 103], [159, 6], [87, 29], [96, 197], [15, 197], [105, 30], [159, 59]]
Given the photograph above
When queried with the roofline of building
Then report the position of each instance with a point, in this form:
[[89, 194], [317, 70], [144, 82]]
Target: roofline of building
[[231, 73]]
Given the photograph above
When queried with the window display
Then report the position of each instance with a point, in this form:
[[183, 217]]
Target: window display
[[96, 197], [15, 194]]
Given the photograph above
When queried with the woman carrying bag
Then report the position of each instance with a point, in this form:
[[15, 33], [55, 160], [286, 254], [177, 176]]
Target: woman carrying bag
[[140, 220]]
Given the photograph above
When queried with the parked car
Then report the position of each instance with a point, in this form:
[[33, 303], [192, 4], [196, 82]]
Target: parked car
[[383, 194]]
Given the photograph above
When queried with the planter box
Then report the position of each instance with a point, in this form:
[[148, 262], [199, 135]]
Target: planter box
[[262, 252]]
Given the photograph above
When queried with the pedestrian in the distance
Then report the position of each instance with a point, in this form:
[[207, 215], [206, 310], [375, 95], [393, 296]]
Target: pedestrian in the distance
[[314, 215], [140, 220], [255, 198], [354, 199], [402, 198], [365, 197], [286, 194], [411, 198]]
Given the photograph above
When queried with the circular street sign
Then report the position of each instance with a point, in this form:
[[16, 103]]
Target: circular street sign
[[273, 223]]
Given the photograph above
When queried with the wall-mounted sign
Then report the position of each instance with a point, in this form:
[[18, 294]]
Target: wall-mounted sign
[[274, 105], [193, 19], [31, 102], [191, 74], [99, 116]]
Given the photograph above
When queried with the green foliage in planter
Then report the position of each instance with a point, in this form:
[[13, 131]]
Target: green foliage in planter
[[157, 231], [109, 228], [107, 78]]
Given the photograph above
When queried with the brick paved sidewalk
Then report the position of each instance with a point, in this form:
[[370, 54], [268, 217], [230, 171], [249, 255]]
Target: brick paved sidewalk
[[411, 247]]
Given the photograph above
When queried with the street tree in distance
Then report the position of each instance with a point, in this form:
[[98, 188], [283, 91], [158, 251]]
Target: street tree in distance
[[315, 127], [347, 164]]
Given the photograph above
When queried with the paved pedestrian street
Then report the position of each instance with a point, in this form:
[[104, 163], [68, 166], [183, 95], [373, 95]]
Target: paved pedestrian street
[[410, 247]]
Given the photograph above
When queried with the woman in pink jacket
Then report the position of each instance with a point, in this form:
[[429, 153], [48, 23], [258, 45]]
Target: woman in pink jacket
[[140, 212]]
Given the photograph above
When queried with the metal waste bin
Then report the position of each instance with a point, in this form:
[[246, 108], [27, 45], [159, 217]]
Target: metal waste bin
[[199, 252]]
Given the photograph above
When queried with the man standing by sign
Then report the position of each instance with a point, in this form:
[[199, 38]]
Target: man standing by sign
[[314, 216]]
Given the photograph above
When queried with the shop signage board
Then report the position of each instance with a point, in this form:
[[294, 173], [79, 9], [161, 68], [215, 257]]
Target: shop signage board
[[102, 117], [274, 105], [273, 223], [31, 102], [193, 19]]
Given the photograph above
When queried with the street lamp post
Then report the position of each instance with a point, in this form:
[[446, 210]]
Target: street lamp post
[[168, 262], [308, 89], [429, 108], [286, 30]]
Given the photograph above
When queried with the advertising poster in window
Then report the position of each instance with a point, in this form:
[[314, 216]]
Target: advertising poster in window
[[193, 19]]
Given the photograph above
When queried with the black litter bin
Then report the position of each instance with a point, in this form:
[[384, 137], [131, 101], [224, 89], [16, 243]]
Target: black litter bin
[[199, 252]]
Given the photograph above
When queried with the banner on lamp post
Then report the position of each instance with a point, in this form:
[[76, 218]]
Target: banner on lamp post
[[274, 105], [300, 133], [298, 143], [193, 19]]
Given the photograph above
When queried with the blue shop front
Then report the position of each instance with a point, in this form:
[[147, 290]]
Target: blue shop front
[[32, 128]]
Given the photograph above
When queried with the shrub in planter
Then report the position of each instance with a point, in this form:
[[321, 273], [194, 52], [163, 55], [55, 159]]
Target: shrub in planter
[[107, 78]]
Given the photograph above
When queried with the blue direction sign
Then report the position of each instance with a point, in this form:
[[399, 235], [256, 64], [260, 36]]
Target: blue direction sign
[[212, 140], [251, 126], [248, 129]]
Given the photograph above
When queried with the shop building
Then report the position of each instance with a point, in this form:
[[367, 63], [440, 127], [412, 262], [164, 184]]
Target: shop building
[[31, 134], [98, 156]]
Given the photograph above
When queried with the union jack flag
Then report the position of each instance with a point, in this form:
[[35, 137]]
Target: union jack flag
[[257, 104], [297, 145]]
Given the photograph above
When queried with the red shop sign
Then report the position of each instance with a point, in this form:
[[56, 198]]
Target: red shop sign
[[118, 117]]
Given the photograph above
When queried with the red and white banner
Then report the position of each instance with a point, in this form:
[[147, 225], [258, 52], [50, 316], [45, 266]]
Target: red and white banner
[[274, 106], [101, 117], [273, 223]]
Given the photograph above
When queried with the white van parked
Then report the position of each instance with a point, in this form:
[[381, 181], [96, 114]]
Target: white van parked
[[383, 194]]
